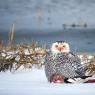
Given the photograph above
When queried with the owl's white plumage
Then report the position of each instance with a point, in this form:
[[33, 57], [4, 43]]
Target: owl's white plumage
[[61, 61], [60, 47]]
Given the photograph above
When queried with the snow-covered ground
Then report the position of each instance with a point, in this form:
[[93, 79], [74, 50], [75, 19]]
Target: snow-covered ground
[[34, 82]]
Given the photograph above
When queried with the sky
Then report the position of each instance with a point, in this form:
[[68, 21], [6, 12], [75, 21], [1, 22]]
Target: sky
[[46, 14]]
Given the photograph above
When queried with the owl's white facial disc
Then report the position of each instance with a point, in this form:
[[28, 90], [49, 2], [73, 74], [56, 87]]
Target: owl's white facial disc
[[62, 47]]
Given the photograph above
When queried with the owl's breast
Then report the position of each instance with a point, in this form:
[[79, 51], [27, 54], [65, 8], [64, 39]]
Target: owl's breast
[[62, 59]]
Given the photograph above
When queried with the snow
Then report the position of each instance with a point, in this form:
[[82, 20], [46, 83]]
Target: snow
[[34, 82]]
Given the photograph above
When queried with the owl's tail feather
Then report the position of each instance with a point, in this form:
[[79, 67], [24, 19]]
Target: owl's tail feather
[[82, 77], [78, 79]]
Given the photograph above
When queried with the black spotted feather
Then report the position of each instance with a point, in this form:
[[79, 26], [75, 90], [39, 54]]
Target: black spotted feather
[[66, 64]]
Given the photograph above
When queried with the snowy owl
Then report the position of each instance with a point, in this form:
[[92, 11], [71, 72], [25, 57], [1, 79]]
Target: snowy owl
[[61, 63]]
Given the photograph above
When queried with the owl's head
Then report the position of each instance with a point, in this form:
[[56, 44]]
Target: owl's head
[[60, 47]]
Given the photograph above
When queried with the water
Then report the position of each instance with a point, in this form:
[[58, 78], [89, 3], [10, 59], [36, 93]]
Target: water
[[81, 40]]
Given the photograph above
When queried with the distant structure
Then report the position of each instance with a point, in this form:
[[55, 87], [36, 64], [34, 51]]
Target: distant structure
[[73, 25], [40, 15]]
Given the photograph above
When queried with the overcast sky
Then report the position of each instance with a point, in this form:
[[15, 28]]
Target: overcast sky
[[46, 14]]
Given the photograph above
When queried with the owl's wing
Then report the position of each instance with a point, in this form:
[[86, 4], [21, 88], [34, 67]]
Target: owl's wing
[[76, 64], [49, 66]]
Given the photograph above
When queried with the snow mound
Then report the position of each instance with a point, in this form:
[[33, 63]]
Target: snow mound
[[34, 82]]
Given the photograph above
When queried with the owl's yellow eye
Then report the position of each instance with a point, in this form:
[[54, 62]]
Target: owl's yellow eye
[[64, 46], [56, 45]]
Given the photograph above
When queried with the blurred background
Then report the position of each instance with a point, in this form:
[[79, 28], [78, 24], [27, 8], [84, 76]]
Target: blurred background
[[46, 21]]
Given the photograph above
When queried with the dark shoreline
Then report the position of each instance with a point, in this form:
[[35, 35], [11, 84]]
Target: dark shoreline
[[80, 40]]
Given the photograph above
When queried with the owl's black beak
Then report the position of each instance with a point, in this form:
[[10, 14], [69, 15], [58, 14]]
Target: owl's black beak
[[60, 48]]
